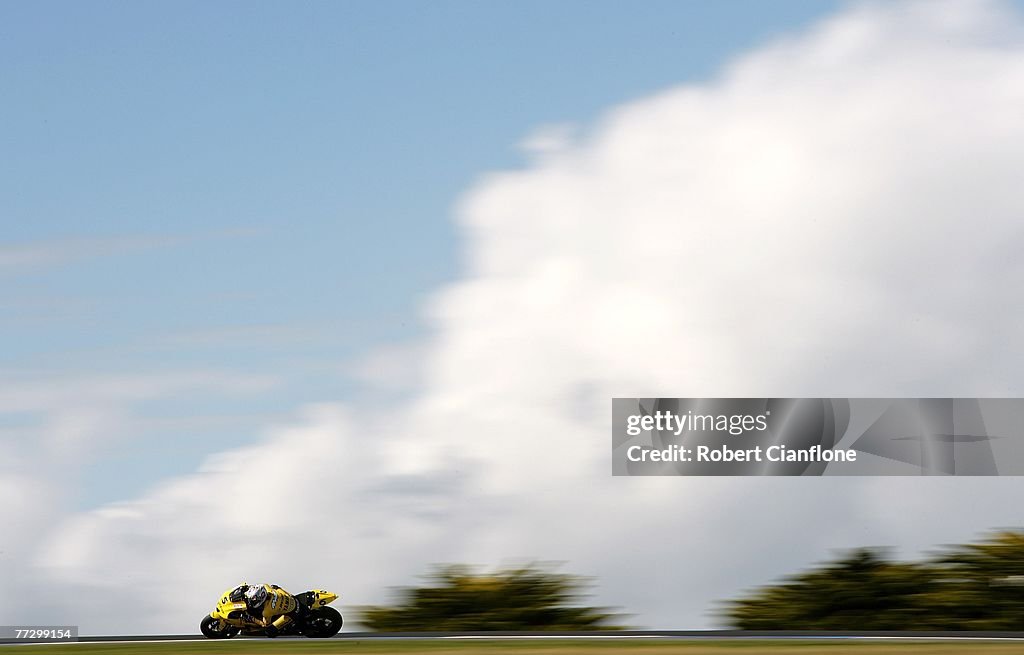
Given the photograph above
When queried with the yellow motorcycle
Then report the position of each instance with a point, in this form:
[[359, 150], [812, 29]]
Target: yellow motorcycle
[[317, 621]]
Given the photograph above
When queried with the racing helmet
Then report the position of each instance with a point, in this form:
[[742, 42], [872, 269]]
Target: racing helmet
[[255, 596]]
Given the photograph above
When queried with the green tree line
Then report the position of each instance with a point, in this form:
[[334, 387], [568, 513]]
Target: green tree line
[[460, 598], [977, 586]]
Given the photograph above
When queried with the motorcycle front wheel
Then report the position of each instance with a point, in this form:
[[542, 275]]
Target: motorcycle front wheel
[[216, 629]]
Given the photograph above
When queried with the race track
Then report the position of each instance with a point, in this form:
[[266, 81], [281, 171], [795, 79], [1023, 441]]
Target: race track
[[654, 635]]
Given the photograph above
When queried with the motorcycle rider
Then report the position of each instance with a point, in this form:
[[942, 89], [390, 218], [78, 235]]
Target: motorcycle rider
[[269, 606]]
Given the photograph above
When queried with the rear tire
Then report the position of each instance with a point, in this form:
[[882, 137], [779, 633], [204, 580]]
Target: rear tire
[[323, 623], [216, 629]]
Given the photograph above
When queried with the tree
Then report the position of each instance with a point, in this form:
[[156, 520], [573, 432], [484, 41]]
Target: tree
[[982, 584], [863, 590], [459, 598], [969, 587]]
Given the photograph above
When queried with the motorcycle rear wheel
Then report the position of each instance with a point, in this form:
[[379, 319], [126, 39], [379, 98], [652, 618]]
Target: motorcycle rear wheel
[[323, 623]]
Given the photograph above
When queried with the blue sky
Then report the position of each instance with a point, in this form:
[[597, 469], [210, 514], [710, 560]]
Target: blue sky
[[265, 189], [215, 215]]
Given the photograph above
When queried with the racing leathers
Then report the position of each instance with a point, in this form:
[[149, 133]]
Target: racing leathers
[[271, 607]]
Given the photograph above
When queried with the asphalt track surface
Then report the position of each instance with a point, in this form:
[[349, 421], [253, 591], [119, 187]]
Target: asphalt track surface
[[623, 634]]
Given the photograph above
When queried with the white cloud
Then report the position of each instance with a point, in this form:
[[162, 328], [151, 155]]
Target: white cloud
[[21, 257], [80, 411], [396, 367], [58, 422], [836, 214], [31, 256], [549, 140]]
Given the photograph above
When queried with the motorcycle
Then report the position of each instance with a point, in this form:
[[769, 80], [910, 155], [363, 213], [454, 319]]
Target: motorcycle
[[317, 621]]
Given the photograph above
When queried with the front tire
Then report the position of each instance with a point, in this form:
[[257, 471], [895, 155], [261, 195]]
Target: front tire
[[323, 623], [216, 629]]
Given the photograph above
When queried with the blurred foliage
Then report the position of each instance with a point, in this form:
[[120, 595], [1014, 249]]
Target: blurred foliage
[[458, 598], [969, 587]]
